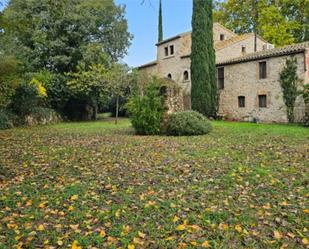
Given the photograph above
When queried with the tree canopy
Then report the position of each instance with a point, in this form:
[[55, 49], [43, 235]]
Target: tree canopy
[[279, 22]]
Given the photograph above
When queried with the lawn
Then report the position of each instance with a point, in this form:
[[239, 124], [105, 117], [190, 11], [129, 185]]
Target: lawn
[[97, 185]]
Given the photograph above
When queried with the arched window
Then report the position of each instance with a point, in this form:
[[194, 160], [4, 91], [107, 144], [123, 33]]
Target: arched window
[[185, 75], [169, 76]]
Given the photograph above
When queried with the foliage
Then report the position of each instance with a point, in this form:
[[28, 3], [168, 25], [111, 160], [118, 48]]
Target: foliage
[[10, 71], [5, 121], [55, 35], [118, 84], [25, 98], [204, 89], [160, 23], [305, 95], [242, 186], [188, 123], [146, 112], [280, 22], [289, 80]]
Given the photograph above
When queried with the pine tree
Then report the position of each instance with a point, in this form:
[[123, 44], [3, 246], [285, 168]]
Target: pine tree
[[203, 68], [160, 25]]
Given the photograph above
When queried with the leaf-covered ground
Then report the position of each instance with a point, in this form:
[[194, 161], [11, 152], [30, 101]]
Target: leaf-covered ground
[[96, 185]]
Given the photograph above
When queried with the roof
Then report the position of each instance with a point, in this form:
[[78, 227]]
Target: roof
[[223, 44], [173, 38], [149, 64], [285, 50]]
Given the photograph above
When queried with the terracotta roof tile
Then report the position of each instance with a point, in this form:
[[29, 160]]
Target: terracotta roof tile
[[285, 50]]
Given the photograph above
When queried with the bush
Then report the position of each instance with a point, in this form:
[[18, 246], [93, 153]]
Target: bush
[[25, 99], [188, 123], [146, 112], [5, 121]]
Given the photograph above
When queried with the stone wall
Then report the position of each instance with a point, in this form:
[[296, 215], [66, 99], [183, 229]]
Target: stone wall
[[235, 50], [242, 79]]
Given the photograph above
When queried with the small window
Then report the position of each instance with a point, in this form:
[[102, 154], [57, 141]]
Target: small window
[[243, 49], [169, 76], [262, 70], [172, 49], [221, 78], [222, 37], [186, 75], [262, 101], [241, 101], [166, 51]]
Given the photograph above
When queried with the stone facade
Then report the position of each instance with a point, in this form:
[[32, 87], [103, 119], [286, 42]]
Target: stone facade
[[241, 78]]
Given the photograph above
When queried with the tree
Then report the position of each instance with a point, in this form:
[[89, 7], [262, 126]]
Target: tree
[[204, 89], [118, 83], [58, 36], [279, 22], [289, 80], [89, 86], [160, 28]]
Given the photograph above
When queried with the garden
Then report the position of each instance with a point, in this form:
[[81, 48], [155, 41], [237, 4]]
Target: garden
[[98, 185]]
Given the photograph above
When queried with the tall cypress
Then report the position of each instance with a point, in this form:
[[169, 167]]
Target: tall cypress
[[203, 67], [160, 25]]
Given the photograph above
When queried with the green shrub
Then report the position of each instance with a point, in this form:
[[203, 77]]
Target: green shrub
[[5, 121], [146, 111], [188, 123], [26, 97]]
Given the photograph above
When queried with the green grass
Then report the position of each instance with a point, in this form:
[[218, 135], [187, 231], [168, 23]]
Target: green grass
[[241, 186]]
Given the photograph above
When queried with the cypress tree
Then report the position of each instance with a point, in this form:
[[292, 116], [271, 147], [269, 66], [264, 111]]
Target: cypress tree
[[160, 25], [203, 68]]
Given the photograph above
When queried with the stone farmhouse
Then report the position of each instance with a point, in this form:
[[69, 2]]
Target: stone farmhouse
[[247, 77]]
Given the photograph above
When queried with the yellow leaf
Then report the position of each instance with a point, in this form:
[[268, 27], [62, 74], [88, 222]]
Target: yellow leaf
[[131, 246], [75, 245], [142, 235], [74, 197], [102, 233], [175, 219], [117, 214], [205, 244], [29, 203], [277, 235], [70, 208], [223, 226], [59, 243], [305, 241], [193, 243], [306, 211], [238, 228], [42, 204], [173, 205], [138, 241], [41, 228], [170, 238], [181, 227]]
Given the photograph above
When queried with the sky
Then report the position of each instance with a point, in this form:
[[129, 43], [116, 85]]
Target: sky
[[143, 24]]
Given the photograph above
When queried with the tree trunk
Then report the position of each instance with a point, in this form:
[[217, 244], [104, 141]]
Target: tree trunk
[[117, 109]]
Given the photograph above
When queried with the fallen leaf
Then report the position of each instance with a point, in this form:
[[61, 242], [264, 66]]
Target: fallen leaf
[[277, 235], [205, 244]]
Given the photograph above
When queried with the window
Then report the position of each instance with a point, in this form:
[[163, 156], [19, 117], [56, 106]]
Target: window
[[221, 37], [166, 51], [262, 70], [172, 49], [221, 77], [243, 49], [262, 101], [241, 101], [186, 75], [169, 76]]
